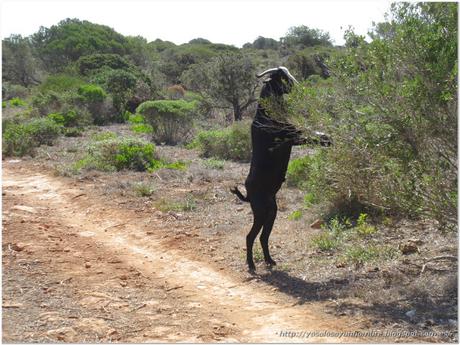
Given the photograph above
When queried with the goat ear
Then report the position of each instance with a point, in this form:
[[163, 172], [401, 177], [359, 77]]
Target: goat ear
[[267, 80]]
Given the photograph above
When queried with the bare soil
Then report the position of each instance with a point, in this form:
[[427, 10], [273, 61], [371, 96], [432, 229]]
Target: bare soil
[[85, 259]]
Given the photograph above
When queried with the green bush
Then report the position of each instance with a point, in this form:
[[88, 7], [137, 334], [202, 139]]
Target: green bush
[[10, 91], [172, 120], [17, 102], [105, 135], [110, 153], [90, 64], [308, 173], [394, 125], [3, 104], [232, 143], [122, 153], [142, 128], [213, 163], [60, 83], [144, 189], [136, 119], [92, 93], [67, 119], [22, 139]]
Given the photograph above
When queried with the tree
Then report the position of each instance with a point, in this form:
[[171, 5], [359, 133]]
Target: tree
[[71, 39], [309, 62], [227, 81], [302, 36], [18, 63], [121, 84], [265, 43]]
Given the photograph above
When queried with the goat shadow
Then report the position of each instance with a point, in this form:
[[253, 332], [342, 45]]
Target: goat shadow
[[306, 291]]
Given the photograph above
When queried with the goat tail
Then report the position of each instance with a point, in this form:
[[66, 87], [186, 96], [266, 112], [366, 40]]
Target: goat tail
[[236, 191]]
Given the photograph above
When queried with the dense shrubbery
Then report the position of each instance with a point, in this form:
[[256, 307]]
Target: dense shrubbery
[[233, 143], [111, 153], [171, 120], [24, 138], [392, 114], [310, 173], [60, 83], [119, 153], [10, 91]]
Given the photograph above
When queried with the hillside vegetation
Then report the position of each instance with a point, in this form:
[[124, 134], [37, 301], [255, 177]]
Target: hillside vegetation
[[390, 104]]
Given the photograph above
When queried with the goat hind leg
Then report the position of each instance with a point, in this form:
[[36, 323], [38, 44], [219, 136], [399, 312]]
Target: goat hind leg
[[267, 229], [258, 223]]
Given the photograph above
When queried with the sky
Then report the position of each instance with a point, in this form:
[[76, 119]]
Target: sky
[[220, 21]]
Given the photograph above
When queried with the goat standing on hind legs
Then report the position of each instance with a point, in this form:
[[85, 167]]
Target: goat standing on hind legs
[[272, 142]]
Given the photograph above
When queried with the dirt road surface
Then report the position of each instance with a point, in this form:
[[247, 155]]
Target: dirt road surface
[[76, 270]]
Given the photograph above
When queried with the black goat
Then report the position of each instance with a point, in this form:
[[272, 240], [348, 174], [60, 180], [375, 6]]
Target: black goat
[[272, 142]]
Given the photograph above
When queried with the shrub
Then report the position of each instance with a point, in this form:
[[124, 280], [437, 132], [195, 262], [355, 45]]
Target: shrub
[[3, 104], [136, 119], [308, 173], [394, 125], [93, 97], [106, 135], [92, 93], [66, 119], [295, 215], [17, 102], [213, 163], [123, 153], [144, 189], [172, 120], [233, 143], [325, 241], [48, 102], [90, 64], [363, 228], [142, 128], [60, 83], [185, 205], [10, 91], [22, 139]]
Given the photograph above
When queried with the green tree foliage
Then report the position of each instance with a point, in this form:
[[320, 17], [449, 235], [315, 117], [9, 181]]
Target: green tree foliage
[[121, 84], [91, 64], [392, 114], [308, 62], [232, 143], [302, 36], [263, 43], [228, 81], [172, 120], [71, 39], [61, 83], [177, 59], [19, 66]]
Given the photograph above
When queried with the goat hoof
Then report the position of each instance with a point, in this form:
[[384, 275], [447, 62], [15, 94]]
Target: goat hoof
[[251, 268], [270, 262]]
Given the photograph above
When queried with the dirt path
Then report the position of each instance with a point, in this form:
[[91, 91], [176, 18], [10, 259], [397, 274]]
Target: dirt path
[[78, 270]]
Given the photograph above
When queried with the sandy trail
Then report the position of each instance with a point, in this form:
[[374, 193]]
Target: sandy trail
[[97, 243]]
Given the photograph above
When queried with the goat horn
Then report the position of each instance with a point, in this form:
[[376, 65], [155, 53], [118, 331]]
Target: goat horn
[[266, 72], [289, 75]]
